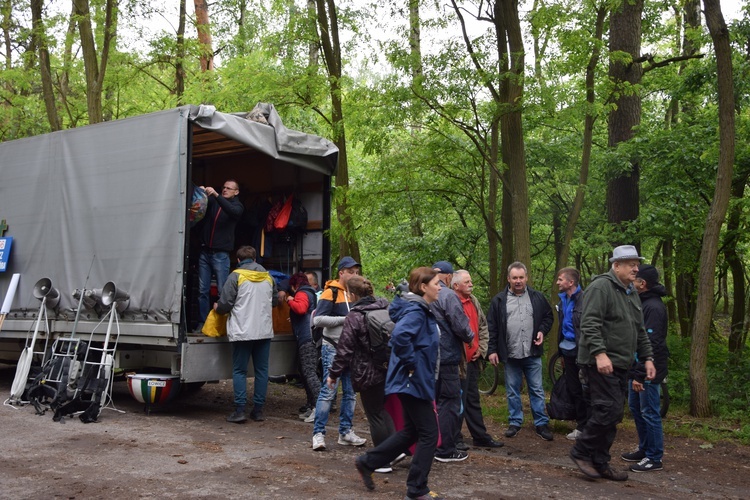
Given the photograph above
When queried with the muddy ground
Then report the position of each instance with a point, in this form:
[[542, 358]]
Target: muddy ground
[[188, 450]]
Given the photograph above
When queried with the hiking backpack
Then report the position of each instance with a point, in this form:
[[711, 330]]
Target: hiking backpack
[[379, 329]]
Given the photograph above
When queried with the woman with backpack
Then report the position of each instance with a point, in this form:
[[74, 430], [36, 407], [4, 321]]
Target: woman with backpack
[[355, 353], [301, 303], [411, 375]]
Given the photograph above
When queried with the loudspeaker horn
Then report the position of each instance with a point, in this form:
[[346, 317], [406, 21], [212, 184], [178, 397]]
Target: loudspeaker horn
[[44, 289], [112, 294]]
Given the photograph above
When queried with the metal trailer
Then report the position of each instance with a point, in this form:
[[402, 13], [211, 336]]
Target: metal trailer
[[114, 198]]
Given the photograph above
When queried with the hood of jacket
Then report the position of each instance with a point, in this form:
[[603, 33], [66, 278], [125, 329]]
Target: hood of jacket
[[405, 303], [370, 304], [658, 291]]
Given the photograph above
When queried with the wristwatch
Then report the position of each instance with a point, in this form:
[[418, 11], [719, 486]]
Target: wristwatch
[[650, 358]]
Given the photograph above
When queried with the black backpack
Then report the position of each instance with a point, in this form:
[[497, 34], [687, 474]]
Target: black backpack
[[379, 329], [559, 406]]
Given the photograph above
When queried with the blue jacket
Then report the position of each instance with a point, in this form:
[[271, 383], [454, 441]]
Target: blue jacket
[[569, 333], [454, 326], [415, 345]]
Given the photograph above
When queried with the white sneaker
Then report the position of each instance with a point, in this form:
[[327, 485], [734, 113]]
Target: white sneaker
[[351, 439], [574, 435], [384, 470], [311, 417], [319, 442]]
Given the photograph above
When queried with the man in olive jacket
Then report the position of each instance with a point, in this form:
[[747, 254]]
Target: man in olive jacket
[[611, 333]]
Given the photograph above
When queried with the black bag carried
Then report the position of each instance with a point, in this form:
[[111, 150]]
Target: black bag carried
[[560, 407], [298, 217], [379, 329]]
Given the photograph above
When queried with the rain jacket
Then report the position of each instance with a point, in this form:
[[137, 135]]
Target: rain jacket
[[330, 315], [454, 326], [415, 347], [657, 325], [249, 295]]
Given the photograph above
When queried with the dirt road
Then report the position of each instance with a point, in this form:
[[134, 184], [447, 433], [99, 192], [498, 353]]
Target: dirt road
[[188, 451]]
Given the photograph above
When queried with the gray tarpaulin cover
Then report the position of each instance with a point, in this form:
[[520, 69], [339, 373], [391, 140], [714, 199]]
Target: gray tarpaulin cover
[[113, 194]]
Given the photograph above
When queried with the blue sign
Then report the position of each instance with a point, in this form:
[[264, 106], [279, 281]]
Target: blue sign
[[5, 244]]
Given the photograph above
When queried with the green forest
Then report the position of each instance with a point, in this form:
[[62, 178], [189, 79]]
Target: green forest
[[478, 132]]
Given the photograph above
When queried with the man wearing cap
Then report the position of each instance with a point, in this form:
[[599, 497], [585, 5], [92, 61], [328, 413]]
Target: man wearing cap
[[454, 332], [333, 306], [518, 320], [644, 398], [611, 332]]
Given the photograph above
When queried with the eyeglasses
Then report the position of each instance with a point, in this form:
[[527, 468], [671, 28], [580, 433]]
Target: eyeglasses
[[230, 188]]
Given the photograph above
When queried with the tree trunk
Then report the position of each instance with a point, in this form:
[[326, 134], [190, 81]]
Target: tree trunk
[[699, 401], [7, 22], [491, 222], [668, 272], [624, 37], [329, 38], [179, 66], [733, 259], [48, 93], [203, 25]]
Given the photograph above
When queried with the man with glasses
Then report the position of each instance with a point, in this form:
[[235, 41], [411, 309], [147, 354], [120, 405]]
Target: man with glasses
[[217, 241], [612, 332]]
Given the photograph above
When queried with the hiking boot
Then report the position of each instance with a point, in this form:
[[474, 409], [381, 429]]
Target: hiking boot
[[429, 496], [257, 414], [351, 439], [311, 417], [543, 432], [365, 473], [512, 431], [573, 435], [585, 466], [634, 456], [608, 472], [456, 456], [237, 417], [319, 442], [646, 465]]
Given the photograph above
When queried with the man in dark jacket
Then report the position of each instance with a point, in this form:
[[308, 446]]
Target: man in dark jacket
[[454, 332], [644, 398], [570, 295], [611, 332], [217, 240], [518, 320]]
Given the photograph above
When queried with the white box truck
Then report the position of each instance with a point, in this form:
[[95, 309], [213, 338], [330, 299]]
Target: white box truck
[[114, 198]]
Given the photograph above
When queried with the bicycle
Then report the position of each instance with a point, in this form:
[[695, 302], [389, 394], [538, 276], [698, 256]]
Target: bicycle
[[489, 377]]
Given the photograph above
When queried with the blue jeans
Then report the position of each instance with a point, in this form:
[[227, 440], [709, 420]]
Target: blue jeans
[[645, 407], [326, 396], [210, 263], [241, 353], [515, 371]]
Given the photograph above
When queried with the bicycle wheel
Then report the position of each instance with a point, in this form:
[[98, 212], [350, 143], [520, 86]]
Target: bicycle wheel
[[489, 377], [555, 367], [664, 399]]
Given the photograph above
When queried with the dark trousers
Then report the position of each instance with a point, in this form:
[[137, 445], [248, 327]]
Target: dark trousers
[[420, 426], [381, 423], [472, 413], [308, 356], [448, 391], [575, 391], [608, 393]]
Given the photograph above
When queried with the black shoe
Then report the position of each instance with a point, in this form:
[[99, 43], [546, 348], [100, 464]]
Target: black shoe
[[646, 465], [585, 466], [462, 446], [634, 456], [304, 409], [365, 473], [512, 431], [257, 414], [613, 475], [237, 417], [543, 432], [456, 456], [491, 443]]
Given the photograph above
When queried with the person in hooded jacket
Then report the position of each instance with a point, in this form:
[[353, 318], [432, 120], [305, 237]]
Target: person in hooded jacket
[[353, 353], [644, 395], [301, 304], [411, 375]]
